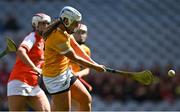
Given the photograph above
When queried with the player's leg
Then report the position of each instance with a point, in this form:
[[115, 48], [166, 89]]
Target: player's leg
[[16, 96], [39, 102], [81, 95], [17, 103], [74, 105], [61, 101], [58, 87]]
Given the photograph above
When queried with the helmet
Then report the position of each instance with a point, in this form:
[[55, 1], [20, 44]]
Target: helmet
[[71, 14], [40, 17], [81, 34], [83, 27]]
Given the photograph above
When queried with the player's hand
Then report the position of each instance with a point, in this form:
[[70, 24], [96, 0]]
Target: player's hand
[[77, 75], [100, 68], [38, 70]]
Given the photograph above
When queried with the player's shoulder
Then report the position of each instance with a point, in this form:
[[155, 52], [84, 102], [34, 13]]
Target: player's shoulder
[[30, 35], [86, 49], [58, 34], [85, 46], [56, 37]]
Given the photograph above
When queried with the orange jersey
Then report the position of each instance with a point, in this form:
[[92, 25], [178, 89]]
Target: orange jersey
[[56, 45], [75, 66], [34, 45]]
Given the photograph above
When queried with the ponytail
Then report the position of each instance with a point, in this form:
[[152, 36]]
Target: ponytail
[[51, 27]]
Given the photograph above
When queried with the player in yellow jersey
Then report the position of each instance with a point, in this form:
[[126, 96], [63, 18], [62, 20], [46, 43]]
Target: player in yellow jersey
[[60, 48], [80, 71]]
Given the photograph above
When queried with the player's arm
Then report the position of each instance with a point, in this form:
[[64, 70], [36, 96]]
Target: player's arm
[[77, 49], [25, 47], [72, 55], [62, 45], [22, 54], [83, 72]]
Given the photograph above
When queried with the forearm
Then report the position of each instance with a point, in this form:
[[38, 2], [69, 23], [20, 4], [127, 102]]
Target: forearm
[[72, 56], [24, 57], [84, 62], [79, 51], [83, 72]]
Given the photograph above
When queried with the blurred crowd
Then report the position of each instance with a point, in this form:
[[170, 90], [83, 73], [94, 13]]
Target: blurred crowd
[[4, 75], [112, 87], [33, 0], [9, 23]]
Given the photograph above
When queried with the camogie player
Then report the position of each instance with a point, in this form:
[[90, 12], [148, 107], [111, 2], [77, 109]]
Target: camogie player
[[59, 50], [23, 89], [81, 35]]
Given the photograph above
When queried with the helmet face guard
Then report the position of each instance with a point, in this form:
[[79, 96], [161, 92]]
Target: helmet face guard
[[40, 17], [71, 14]]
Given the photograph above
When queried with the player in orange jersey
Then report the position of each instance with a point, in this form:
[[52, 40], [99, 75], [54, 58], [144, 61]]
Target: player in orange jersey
[[60, 48], [80, 36], [80, 71], [23, 88]]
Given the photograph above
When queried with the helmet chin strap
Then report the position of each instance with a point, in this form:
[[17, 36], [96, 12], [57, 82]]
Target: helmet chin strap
[[63, 24]]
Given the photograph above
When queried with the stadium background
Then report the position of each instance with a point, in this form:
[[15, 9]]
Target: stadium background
[[128, 35]]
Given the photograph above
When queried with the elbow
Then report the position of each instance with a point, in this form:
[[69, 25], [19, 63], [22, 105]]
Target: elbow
[[20, 51]]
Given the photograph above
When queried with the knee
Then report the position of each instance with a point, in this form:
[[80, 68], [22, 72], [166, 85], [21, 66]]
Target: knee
[[90, 99]]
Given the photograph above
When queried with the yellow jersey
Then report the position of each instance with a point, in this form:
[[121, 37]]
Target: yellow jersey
[[56, 45], [75, 66]]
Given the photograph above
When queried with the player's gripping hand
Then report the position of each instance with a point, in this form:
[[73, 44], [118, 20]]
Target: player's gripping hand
[[100, 68], [38, 70]]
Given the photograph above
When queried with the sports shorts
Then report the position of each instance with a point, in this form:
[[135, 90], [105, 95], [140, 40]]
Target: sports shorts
[[16, 87], [59, 84]]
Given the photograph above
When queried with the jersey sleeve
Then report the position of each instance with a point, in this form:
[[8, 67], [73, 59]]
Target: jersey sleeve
[[86, 49], [28, 42]]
